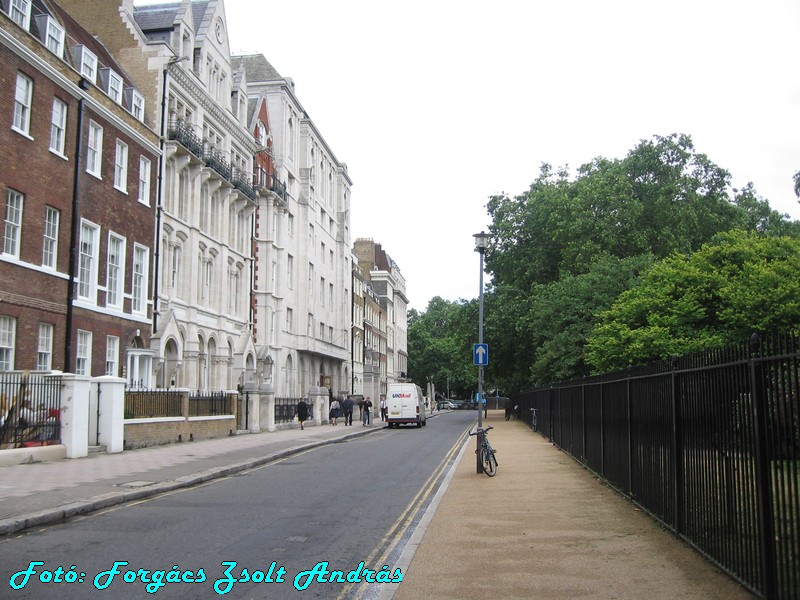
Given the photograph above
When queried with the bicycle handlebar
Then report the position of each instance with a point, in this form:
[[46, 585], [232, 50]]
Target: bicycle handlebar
[[480, 430]]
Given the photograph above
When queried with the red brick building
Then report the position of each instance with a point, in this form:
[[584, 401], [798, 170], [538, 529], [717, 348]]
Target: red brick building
[[78, 192]]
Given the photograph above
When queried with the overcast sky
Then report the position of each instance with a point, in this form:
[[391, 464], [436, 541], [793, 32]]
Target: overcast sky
[[435, 105]]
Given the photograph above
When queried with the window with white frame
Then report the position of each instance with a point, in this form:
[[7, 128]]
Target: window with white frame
[[58, 127], [44, 354], [139, 284], [121, 167], [23, 96], [88, 64], [94, 150], [115, 270], [175, 266], [144, 180], [137, 105], [8, 328], [20, 13], [289, 320], [54, 37], [115, 87], [83, 359], [50, 241], [13, 223], [206, 277], [112, 355], [290, 271], [87, 266]]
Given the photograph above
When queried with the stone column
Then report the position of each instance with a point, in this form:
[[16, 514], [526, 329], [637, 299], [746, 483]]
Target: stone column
[[266, 397], [110, 396], [318, 397], [75, 414]]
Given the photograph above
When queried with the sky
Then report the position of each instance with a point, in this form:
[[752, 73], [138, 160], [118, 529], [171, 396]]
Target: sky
[[436, 105]]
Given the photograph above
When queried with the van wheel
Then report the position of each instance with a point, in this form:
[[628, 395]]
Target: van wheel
[[419, 423]]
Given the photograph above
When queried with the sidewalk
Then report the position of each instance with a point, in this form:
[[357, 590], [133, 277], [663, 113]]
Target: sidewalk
[[545, 527], [48, 492]]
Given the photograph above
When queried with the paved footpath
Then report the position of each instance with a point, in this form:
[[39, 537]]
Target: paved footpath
[[544, 527]]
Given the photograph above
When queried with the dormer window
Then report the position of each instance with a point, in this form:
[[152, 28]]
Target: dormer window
[[52, 34], [87, 62], [136, 103], [113, 84], [20, 13]]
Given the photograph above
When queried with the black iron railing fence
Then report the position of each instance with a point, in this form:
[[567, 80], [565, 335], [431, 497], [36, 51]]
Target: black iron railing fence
[[708, 444], [143, 404], [30, 409], [286, 408]]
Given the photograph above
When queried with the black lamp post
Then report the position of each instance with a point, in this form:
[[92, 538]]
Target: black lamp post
[[481, 242]]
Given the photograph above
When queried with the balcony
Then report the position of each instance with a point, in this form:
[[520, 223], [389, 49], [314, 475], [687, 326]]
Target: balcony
[[216, 161], [242, 182], [186, 137]]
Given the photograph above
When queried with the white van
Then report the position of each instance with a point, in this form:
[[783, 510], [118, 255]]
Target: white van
[[405, 404]]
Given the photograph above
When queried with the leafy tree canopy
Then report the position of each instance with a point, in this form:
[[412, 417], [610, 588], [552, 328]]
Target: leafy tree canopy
[[740, 283]]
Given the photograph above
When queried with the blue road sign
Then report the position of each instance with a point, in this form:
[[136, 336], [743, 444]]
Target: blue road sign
[[480, 354]]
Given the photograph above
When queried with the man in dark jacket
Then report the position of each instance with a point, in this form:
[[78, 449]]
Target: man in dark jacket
[[302, 412], [347, 409]]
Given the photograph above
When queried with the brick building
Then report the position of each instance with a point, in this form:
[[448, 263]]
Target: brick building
[[78, 201]]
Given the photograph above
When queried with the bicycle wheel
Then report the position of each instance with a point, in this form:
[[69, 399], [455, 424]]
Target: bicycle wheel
[[488, 462]]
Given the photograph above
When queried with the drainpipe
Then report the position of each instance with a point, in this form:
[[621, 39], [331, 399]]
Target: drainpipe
[[159, 203], [75, 232]]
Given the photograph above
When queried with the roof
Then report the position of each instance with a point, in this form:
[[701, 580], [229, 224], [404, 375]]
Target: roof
[[257, 68]]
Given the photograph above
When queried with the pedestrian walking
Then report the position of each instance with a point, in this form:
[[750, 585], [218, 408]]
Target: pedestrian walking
[[367, 408], [302, 412], [384, 409], [347, 408], [334, 413], [361, 409], [509, 407]]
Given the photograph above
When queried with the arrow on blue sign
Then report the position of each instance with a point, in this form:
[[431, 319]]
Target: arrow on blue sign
[[480, 354]]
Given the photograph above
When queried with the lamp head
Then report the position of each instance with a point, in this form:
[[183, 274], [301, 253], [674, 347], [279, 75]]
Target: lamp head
[[481, 241]]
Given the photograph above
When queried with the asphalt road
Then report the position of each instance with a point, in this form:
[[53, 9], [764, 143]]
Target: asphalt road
[[349, 507]]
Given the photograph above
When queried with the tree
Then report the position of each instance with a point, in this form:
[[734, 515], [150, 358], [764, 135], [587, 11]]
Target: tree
[[740, 283]]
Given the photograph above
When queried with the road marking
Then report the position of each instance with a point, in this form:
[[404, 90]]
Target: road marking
[[398, 529]]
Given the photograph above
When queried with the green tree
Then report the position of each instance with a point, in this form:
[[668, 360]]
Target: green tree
[[740, 283]]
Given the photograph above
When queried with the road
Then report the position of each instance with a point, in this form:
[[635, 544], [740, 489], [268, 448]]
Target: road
[[263, 533]]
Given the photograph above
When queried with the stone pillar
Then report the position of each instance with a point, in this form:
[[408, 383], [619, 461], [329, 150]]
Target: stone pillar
[[266, 407], [251, 406], [75, 414], [110, 394], [318, 396]]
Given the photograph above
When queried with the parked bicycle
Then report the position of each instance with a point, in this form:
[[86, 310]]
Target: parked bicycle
[[486, 452]]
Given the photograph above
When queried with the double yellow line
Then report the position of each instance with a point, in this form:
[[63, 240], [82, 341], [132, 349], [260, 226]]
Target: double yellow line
[[380, 555]]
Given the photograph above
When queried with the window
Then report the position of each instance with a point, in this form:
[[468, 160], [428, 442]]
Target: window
[[88, 63], [22, 104], [208, 269], [44, 356], [112, 355], [20, 13], [274, 277], [94, 152], [310, 325], [83, 360], [8, 328], [121, 167], [139, 300], [137, 105], [289, 320], [115, 87], [54, 37], [175, 266], [11, 237], [58, 127], [290, 272], [144, 180], [115, 271], [87, 268], [50, 243]]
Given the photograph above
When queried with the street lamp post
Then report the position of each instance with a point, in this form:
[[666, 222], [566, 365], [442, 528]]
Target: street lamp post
[[481, 242]]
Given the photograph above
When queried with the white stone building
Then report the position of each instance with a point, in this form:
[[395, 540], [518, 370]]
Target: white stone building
[[303, 278]]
